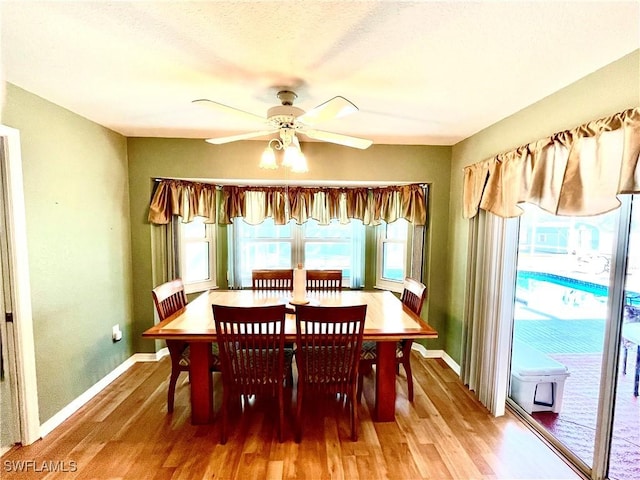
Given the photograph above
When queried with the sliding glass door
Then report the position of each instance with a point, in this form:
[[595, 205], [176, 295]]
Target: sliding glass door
[[565, 276], [624, 460]]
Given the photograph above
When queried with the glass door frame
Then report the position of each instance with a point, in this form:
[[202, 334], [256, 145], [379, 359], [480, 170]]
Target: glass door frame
[[610, 356], [611, 347]]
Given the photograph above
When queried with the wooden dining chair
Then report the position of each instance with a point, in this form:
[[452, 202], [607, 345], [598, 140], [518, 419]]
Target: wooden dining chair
[[252, 356], [413, 296], [168, 298], [324, 279], [276, 279], [328, 344]]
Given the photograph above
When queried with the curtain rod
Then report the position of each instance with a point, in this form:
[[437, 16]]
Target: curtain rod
[[336, 184]]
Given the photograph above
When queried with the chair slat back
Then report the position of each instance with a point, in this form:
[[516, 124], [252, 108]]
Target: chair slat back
[[413, 295], [169, 297], [251, 345], [280, 279], [324, 279], [328, 343]]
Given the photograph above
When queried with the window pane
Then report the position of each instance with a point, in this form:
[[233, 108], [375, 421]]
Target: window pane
[[259, 255], [334, 230], [266, 255], [194, 229], [326, 255], [196, 254], [397, 230], [266, 229], [196, 262], [262, 246], [393, 260]]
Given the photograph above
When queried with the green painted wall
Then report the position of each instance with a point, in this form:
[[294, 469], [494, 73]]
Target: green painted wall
[[150, 158], [611, 89], [77, 209]]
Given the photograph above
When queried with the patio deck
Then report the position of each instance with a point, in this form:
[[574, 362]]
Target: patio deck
[[577, 343]]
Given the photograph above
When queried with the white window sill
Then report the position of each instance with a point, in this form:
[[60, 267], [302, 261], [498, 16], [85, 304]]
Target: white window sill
[[391, 286]]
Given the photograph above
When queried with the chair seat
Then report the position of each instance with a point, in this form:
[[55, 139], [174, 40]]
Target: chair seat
[[369, 350], [185, 360]]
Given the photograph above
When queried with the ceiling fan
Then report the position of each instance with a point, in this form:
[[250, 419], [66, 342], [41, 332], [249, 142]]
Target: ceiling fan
[[287, 121]]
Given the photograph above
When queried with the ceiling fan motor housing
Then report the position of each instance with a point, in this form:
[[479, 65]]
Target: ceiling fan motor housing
[[283, 116], [287, 97]]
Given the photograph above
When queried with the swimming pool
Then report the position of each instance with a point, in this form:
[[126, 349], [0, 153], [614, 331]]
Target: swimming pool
[[525, 277]]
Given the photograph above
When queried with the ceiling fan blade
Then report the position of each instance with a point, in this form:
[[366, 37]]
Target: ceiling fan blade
[[335, 108], [345, 140], [220, 107], [241, 136]]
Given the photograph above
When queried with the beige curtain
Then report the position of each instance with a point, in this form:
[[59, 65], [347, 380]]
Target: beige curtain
[[577, 172], [186, 199], [487, 328], [254, 204], [164, 261]]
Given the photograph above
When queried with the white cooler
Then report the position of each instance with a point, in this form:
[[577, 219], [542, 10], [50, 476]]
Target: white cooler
[[537, 381]]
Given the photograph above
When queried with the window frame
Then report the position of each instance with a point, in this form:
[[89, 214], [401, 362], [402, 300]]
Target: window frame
[[382, 239], [303, 240], [298, 241], [183, 241]]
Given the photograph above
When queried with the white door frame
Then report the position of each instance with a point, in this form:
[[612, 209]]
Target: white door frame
[[20, 287]]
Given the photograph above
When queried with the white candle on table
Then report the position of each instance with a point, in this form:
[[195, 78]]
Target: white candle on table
[[299, 284]]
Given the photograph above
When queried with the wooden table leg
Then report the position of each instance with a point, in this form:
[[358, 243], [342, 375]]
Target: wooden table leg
[[201, 383], [385, 382]]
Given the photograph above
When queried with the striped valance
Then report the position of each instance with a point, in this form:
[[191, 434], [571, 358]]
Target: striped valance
[[371, 205]]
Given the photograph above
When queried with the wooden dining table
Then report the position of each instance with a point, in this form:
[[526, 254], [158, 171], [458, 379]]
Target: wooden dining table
[[387, 321]]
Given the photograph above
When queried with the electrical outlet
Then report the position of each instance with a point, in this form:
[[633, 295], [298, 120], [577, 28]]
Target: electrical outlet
[[116, 333]]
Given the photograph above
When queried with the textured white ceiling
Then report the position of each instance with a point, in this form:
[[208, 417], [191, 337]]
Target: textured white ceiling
[[420, 72]]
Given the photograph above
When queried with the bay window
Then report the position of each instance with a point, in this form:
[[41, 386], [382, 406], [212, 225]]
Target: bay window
[[282, 226]]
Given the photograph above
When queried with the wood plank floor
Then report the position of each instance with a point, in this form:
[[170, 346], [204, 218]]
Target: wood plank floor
[[125, 432]]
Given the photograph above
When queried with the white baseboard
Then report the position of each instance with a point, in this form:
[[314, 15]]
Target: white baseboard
[[48, 426], [452, 364], [4, 450], [151, 357], [436, 354]]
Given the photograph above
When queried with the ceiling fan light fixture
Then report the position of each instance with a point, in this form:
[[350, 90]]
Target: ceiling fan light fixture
[[291, 155], [299, 161], [268, 159], [300, 164]]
